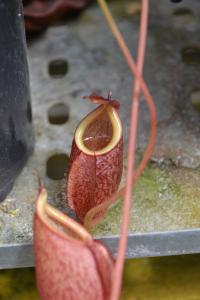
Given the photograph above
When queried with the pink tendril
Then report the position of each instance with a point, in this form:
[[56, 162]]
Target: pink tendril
[[130, 177]]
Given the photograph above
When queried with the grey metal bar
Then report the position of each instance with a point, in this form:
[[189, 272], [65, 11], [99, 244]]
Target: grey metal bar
[[139, 245]]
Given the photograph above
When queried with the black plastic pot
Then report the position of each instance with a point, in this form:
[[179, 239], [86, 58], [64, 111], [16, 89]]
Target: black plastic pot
[[16, 135]]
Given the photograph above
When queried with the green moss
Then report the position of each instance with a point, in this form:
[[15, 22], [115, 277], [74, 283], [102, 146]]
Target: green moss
[[163, 199]]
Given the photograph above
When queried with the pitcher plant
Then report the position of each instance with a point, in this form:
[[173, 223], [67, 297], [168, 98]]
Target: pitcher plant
[[70, 264]]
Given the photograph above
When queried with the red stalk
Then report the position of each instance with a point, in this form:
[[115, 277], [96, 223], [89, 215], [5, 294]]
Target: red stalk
[[132, 138], [116, 288]]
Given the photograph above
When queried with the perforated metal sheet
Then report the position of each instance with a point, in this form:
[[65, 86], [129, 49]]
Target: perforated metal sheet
[[166, 204]]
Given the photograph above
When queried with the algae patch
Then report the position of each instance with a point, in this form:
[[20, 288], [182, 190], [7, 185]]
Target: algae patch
[[164, 199]]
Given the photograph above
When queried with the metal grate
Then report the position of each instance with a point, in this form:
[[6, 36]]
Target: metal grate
[[80, 57]]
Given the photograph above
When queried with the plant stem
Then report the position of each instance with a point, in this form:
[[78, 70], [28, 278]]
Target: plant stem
[[95, 214], [119, 266], [116, 288]]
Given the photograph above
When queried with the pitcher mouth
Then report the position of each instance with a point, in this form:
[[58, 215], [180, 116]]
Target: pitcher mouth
[[99, 132], [58, 222]]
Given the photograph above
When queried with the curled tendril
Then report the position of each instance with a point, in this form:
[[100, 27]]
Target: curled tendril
[[130, 176], [95, 215]]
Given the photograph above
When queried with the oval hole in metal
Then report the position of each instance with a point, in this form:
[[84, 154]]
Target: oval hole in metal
[[58, 114], [183, 16], [191, 55], [183, 11], [56, 166], [195, 100], [58, 68], [176, 1]]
